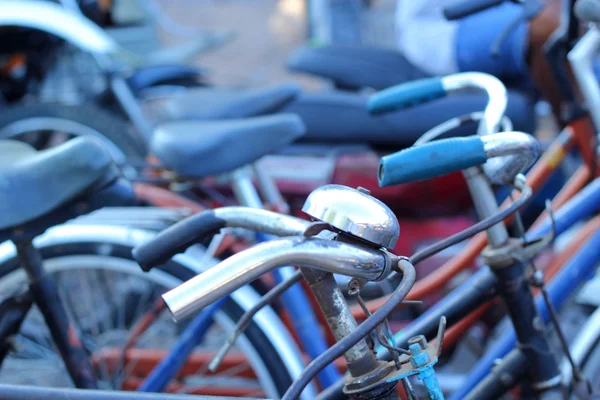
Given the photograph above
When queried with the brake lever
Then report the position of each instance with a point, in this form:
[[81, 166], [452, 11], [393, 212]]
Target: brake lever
[[531, 8]]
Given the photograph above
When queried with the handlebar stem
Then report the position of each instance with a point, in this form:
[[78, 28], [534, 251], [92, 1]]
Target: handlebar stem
[[497, 97], [243, 268], [332, 302], [485, 204]]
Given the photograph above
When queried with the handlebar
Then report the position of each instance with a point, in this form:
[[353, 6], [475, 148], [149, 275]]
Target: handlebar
[[588, 11], [178, 237], [406, 95], [242, 268], [421, 91], [469, 7], [582, 58], [444, 156]]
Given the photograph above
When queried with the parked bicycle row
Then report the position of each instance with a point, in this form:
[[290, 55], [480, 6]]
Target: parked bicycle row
[[181, 240]]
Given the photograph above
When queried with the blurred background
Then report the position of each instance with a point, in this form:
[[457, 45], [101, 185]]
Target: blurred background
[[266, 31]]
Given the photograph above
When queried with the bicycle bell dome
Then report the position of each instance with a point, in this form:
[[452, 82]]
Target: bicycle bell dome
[[354, 211]]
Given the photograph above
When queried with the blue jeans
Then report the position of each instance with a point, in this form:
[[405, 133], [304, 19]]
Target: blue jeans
[[476, 35]]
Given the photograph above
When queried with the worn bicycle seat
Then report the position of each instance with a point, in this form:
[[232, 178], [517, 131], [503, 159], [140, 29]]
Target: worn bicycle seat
[[198, 149], [35, 183], [337, 117], [354, 67], [211, 103]]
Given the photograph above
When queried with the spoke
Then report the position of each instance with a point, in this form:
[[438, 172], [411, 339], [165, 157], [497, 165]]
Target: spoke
[[104, 304]]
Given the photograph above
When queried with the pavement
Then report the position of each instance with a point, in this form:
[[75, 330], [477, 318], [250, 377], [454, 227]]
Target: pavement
[[266, 32]]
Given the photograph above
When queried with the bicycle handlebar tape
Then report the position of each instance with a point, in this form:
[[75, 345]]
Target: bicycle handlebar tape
[[469, 7], [430, 160], [406, 95], [177, 238]]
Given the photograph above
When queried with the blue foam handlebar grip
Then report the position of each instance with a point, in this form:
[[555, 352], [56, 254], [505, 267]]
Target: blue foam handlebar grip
[[406, 95], [429, 160]]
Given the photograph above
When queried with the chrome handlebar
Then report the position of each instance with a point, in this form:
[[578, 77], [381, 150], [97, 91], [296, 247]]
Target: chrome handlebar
[[495, 89], [581, 59], [509, 154], [242, 268], [261, 221], [520, 150]]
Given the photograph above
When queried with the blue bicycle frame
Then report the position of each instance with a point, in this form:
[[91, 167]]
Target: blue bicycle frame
[[475, 290], [579, 269]]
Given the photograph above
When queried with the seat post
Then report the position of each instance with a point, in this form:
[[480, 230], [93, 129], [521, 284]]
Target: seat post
[[63, 331]]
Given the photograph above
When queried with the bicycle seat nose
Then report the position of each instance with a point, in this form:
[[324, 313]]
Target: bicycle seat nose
[[355, 212]]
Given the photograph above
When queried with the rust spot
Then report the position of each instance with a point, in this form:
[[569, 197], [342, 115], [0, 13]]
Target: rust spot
[[73, 336]]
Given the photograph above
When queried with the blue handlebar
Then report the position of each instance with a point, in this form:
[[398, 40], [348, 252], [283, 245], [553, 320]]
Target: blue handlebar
[[430, 160], [406, 95]]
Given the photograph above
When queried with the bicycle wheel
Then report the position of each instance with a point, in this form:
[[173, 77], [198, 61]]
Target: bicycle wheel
[[106, 292], [41, 122]]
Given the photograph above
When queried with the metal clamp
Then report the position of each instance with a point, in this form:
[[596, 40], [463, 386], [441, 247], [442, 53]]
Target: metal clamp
[[514, 250], [420, 362]]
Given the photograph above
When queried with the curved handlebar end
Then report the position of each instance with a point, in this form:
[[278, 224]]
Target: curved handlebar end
[[588, 11], [430, 160], [177, 238], [406, 95]]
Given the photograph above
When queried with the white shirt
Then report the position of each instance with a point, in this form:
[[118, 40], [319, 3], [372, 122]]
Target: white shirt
[[425, 37]]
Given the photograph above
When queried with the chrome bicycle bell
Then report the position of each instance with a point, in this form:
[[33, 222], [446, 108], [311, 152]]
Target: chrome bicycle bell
[[356, 212]]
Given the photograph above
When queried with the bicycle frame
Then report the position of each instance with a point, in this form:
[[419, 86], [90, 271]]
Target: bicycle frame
[[478, 289], [537, 176], [579, 268]]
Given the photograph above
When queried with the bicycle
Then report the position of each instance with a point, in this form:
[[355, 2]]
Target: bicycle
[[87, 254], [246, 266], [591, 191]]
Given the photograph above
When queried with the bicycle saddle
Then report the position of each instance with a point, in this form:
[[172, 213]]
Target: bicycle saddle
[[197, 149], [338, 117], [36, 183], [355, 67], [211, 103]]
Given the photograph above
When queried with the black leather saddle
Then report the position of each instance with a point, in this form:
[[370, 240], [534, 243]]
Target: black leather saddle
[[342, 118], [218, 103], [354, 67]]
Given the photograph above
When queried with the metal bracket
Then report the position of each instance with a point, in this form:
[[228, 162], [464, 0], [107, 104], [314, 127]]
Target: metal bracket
[[514, 250], [520, 250], [421, 360]]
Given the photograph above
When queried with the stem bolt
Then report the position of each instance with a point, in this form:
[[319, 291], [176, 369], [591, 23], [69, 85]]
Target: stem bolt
[[420, 340]]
